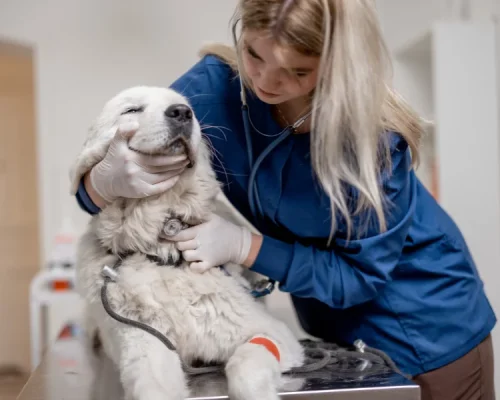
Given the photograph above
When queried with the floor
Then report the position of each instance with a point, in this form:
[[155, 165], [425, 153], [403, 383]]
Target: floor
[[10, 386]]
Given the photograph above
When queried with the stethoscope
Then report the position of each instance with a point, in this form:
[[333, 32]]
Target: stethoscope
[[253, 193], [266, 286]]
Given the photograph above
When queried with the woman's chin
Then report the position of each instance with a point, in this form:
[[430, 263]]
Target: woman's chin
[[269, 98]]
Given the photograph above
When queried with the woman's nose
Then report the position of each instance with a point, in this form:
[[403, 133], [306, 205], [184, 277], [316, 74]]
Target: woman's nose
[[270, 80]]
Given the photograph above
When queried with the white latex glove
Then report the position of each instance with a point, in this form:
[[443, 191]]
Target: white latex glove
[[213, 243], [126, 173]]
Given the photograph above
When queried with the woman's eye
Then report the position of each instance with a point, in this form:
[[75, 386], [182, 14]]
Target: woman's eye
[[301, 74], [133, 110], [252, 53]]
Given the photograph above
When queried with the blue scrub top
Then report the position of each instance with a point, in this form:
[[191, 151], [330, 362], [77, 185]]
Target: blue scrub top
[[412, 291]]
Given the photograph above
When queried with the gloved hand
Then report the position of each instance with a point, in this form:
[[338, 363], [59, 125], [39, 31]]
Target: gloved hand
[[126, 173], [213, 243]]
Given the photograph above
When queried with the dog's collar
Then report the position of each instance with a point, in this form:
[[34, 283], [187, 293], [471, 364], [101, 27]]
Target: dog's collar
[[170, 262]]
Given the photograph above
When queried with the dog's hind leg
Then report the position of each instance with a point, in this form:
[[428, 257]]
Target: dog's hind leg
[[253, 371], [148, 369]]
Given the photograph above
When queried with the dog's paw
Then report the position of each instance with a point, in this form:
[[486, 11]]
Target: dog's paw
[[253, 373]]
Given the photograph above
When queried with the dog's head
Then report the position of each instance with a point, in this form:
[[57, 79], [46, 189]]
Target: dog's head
[[165, 125]]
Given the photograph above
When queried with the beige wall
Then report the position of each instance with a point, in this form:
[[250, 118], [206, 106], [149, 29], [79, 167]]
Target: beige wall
[[19, 241]]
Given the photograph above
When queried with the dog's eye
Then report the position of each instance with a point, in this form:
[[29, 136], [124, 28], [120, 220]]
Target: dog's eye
[[133, 110]]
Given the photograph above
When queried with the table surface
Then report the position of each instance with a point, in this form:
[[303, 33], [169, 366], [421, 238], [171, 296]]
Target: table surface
[[70, 371]]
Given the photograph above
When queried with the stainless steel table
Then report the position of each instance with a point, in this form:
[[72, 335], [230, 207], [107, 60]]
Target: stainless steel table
[[70, 372]]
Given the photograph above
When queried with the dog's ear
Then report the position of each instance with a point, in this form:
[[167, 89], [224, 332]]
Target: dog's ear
[[94, 149]]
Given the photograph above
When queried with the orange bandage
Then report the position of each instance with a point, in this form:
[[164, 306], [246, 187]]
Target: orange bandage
[[268, 344]]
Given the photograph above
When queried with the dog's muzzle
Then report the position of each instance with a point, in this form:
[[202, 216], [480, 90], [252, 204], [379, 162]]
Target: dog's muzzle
[[180, 121]]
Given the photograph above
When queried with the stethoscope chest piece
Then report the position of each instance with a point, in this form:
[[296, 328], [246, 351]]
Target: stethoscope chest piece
[[172, 227]]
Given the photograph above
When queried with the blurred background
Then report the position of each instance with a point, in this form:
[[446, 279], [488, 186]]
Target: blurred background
[[60, 60]]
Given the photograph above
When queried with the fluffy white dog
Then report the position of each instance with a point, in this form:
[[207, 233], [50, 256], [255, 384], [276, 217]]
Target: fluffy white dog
[[209, 317]]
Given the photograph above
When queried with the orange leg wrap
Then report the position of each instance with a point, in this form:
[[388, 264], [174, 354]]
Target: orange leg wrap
[[268, 344]]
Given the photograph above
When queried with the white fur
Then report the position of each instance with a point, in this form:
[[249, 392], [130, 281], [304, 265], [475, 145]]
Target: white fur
[[210, 316]]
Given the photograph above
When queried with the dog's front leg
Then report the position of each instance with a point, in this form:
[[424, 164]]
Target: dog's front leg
[[148, 370], [253, 372]]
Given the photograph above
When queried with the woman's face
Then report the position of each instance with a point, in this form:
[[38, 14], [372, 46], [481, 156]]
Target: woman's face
[[278, 74]]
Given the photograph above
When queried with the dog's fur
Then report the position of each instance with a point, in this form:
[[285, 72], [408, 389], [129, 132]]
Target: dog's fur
[[209, 317]]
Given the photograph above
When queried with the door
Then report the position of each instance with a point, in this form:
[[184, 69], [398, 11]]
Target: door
[[19, 241]]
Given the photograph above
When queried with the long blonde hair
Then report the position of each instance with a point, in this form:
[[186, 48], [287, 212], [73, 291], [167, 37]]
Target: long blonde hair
[[353, 103]]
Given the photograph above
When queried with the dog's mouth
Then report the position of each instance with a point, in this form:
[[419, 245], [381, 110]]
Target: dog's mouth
[[175, 147]]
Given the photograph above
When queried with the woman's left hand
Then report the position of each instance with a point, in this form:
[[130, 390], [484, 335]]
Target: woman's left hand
[[213, 243]]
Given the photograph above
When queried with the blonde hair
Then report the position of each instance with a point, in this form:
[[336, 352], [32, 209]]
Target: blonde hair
[[353, 104]]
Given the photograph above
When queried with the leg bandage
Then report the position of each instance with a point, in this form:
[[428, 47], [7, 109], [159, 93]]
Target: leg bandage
[[268, 344]]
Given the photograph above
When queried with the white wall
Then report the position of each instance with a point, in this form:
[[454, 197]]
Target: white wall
[[407, 21], [85, 52]]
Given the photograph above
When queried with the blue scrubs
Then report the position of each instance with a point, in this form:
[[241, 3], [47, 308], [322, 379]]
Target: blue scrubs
[[413, 291]]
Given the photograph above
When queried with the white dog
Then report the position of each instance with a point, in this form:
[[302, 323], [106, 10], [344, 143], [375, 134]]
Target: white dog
[[209, 317]]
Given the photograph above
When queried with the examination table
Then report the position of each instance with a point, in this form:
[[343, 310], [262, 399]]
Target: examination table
[[71, 372]]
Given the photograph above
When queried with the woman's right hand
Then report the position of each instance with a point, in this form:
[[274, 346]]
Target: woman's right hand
[[126, 173]]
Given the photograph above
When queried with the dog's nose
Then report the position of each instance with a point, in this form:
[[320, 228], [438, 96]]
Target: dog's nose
[[179, 112]]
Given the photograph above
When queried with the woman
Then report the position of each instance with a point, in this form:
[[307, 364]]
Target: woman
[[347, 228]]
